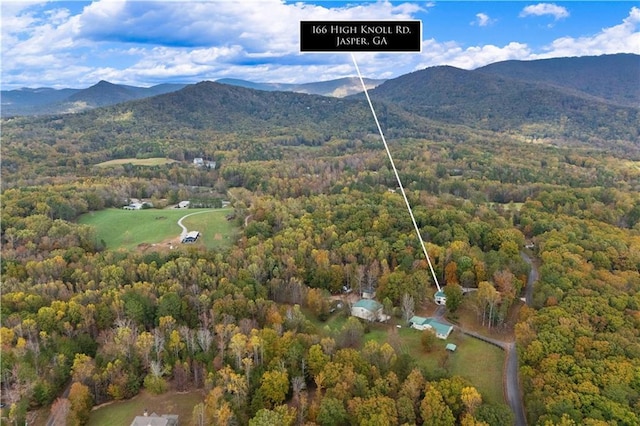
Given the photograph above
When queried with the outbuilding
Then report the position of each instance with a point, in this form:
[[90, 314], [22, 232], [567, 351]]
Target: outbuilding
[[191, 237]]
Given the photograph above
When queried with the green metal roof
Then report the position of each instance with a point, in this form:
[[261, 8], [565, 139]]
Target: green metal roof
[[437, 326], [368, 304]]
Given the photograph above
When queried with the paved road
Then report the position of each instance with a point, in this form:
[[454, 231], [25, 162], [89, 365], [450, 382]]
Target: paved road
[[184, 228], [511, 385], [511, 382]]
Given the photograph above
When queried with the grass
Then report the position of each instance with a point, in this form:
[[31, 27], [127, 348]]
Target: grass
[[156, 161], [123, 412], [129, 229], [464, 362]]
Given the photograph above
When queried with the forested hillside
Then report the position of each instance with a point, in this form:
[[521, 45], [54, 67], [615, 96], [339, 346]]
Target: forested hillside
[[257, 326], [610, 77]]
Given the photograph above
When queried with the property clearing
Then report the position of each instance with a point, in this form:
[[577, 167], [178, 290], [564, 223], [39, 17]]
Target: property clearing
[[156, 161], [158, 229], [123, 412]]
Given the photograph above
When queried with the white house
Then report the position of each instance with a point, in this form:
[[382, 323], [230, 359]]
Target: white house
[[442, 330], [440, 298], [184, 204], [155, 420], [368, 309]]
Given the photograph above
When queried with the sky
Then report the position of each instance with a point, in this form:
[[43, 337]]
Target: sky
[[142, 43]]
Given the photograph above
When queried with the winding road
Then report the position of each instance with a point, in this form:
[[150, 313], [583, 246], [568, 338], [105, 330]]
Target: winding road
[[511, 383], [184, 228]]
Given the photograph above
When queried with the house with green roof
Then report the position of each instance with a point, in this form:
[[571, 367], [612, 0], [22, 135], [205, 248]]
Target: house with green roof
[[442, 330], [440, 298], [368, 309]]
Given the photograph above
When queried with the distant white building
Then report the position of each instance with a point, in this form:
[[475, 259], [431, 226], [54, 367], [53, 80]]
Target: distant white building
[[191, 237], [198, 161], [184, 204], [137, 205]]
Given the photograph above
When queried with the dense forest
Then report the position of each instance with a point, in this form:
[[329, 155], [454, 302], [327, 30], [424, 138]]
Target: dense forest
[[319, 210]]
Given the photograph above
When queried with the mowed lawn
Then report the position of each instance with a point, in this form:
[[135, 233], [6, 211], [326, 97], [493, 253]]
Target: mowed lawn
[[156, 161], [123, 412], [479, 362], [127, 229]]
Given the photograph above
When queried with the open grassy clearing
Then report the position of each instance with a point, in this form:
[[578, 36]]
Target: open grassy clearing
[[129, 229], [156, 161], [465, 361], [123, 412]]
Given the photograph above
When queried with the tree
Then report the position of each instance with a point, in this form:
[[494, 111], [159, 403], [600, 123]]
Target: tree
[[433, 409], [428, 339], [332, 413], [60, 411], [80, 402], [454, 296], [471, 399], [281, 415], [408, 307], [275, 386]]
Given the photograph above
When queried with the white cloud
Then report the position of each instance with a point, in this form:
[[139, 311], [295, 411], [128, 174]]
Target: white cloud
[[482, 20], [541, 9], [451, 53], [624, 37], [143, 43]]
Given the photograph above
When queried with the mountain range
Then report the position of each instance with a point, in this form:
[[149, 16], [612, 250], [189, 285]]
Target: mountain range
[[40, 101], [557, 101]]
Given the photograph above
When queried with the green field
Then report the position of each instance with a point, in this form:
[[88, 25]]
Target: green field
[[123, 412], [156, 161], [470, 354], [129, 229]]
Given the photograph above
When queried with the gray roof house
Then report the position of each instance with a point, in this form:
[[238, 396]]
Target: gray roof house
[[155, 420]]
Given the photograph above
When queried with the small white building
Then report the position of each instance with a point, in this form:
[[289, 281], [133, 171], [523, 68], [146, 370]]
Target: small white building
[[184, 204], [191, 237], [368, 309], [440, 298]]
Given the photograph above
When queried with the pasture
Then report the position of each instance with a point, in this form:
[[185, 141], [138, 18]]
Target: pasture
[[135, 229], [464, 362], [156, 161], [123, 412]]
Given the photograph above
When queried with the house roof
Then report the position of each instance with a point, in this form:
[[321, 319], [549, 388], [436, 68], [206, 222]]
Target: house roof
[[154, 420], [419, 320], [150, 421], [440, 293], [437, 326], [368, 304], [451, 347]]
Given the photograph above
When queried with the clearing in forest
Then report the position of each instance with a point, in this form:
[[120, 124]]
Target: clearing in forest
[[135, 229]]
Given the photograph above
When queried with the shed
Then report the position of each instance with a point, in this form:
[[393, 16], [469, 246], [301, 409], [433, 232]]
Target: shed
[[451, 347], [191, 237]]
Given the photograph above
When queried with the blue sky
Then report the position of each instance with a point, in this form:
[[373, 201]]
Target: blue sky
[[142, 43]]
